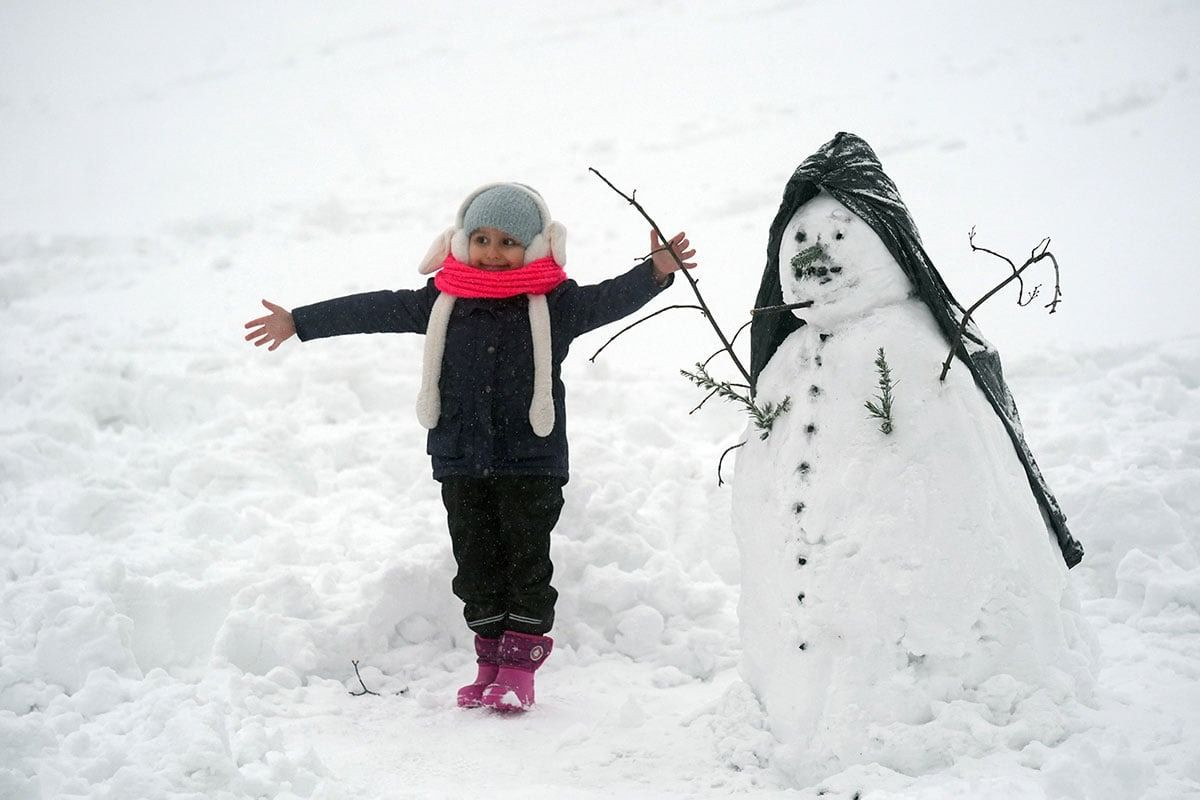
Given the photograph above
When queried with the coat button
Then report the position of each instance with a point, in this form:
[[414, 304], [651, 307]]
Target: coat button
[[491, 349], [487, 390]]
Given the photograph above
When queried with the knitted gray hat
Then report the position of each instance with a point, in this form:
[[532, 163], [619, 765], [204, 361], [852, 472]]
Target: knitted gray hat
[[508, 207], [515, 205]]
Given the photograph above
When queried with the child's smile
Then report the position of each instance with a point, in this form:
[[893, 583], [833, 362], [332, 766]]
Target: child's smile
[[494, 249]]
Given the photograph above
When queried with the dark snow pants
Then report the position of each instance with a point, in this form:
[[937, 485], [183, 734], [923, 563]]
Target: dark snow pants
[[500, 531]]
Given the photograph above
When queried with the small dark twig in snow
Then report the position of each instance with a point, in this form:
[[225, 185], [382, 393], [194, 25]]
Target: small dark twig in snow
[[365, 690], [722, 461]]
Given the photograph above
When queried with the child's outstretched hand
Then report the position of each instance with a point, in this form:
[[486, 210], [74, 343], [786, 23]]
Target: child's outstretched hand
[[277, 327], [664, 265]]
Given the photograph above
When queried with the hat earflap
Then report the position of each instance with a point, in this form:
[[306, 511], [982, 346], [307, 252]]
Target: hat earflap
[[556, 232], [437, 252], [460, 246], [550, 242]]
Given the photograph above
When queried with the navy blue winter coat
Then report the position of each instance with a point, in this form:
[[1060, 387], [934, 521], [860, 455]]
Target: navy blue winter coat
[[487, 370]]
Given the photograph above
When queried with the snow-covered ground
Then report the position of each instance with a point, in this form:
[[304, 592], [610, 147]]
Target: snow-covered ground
[[197, 538]]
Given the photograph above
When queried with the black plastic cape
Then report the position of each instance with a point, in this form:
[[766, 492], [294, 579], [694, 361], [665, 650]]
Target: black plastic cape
[[848, 169]]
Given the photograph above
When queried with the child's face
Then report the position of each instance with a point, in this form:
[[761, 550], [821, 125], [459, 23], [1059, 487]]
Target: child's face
[[494, 249]]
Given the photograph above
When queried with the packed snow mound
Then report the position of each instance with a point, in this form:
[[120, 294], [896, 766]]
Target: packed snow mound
[[902, 600]]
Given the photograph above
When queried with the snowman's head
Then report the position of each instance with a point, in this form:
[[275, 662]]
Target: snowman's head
[[830, 256]]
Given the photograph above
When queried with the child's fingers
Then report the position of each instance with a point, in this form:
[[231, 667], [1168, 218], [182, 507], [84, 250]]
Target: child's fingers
[[253, 335], [272, 306], [256, 322]]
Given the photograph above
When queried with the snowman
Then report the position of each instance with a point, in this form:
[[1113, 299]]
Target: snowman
[[905, 597]]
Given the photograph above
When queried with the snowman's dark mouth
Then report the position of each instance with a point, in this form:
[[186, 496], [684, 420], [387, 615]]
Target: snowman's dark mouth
[[814, 263]]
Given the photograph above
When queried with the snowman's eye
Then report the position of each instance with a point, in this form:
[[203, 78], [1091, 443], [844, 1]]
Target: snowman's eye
[[840, 235], [801, 236]]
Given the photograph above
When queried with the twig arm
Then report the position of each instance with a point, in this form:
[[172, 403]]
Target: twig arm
[[1022, 299], [639, 322], [1042, 251], [632, 200]]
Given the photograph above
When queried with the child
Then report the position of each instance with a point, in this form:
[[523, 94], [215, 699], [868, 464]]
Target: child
[[499, 316]]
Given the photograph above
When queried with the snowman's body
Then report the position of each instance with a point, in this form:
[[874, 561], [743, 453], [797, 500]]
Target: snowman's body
[[892, 584]]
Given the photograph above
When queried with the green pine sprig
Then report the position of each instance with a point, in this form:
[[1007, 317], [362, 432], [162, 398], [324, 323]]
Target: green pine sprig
[[882, 410], [763, 416]]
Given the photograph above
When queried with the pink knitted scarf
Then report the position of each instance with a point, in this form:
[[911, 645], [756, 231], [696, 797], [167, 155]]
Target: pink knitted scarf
[[463, 280]]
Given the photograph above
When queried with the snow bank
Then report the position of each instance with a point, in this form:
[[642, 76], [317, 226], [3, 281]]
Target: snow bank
[[206, 568], [191, 548]]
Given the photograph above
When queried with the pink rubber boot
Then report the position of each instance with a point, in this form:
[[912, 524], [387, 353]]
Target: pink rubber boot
[[520, 656], [487, 657]]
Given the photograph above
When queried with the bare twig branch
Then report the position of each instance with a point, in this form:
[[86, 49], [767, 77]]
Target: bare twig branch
[[732, 342], [738, 332], [632, 200], [1041, 251], [705, 400], [1022, 299], [1054, 301], [779, 309], [650, 255], [365, 690], [640, 321], [721, 461]]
